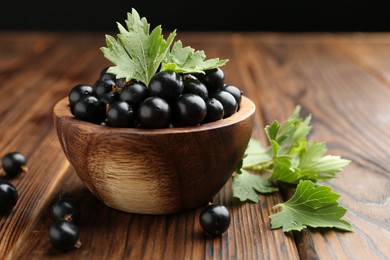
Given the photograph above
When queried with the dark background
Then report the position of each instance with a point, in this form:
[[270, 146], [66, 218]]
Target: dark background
[[272, 15]]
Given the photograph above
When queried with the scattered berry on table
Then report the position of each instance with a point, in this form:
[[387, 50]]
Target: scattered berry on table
[[8, 196], [65, 209], [14, 163], [64, 235], [215, 219]]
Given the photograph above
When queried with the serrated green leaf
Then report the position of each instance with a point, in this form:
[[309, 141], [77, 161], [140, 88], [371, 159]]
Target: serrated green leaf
[[246, 186], [135, 53], [186, 60], [310, 206], [255, 154]]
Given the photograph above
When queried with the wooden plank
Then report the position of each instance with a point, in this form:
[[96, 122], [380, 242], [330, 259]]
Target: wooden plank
[[350, 112], [107, 233]]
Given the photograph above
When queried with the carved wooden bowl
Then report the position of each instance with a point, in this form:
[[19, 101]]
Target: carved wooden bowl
[[157, 171]]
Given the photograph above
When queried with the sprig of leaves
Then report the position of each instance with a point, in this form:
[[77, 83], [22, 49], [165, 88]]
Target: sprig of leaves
[[138, 54], [290, 158]]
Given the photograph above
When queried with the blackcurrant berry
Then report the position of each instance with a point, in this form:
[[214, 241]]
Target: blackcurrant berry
[[190, 110], [120, 114], [215, 219], [8, 196], [167, 85], [194, 86], [90, 109], [14, 163], [236, 92], [214, 79], [228, 102], [109, 97], [154, 112], [104, 75], [134, 94], [78, 92], [214, 110], [65, 209], [103, 86], [64, 235]]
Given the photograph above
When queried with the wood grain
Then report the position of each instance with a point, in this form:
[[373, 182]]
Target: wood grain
[[341, 79]]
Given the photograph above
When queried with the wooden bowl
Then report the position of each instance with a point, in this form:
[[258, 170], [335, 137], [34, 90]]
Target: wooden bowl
[[157, 171]]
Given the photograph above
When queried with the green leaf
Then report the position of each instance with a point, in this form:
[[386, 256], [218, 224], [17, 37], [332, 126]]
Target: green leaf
[[187, 60], [255, 154], [310, 206], [136, 53], [246, 185]]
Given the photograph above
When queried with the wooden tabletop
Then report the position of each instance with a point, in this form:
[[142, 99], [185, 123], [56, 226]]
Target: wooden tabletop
[[343, 80]]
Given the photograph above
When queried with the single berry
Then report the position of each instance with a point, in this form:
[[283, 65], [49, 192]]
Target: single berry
[[190, 110], [228, 102], [215, 110], [64, 235], [214, 79], [65, 209], [167, 85], [236, 92], [215, 219], [8, 196], [194, 86], [104, 75], [134, 94], [103, 86], [78, 92], [154, 112], [109, 97], [90, 109], [120, 114], [14, 163]]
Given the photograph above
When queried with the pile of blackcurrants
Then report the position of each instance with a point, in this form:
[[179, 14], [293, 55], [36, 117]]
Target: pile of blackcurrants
[[170, 100]]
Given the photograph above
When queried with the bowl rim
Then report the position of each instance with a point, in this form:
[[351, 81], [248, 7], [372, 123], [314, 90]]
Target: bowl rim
[[247, 108]]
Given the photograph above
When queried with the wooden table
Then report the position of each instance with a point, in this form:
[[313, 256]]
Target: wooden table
[[343, 80]]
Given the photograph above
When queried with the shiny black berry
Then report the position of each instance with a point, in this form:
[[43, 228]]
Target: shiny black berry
[[190, 110], [14, 163], [134, 94], [214, 79], [8, 196], [194, 86], [120, 114], [104, 75], [90, 109], [109, 97], [236, 92], [64, 235], [78, 92], [154, 112], [103, 86], [215, 219], [65, 209], [215, 110], [228, 102], [167, 85]]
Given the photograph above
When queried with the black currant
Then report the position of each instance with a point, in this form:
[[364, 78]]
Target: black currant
[[64, 235], [65, 209], [215, 110], [104, 75], [8, 196], [236, 92], [78, 92], [229, 103], [103, 86], [120, 114], [190, 110], [134, 94], [90, 109], [214, 79], [194, 86], [109, 97], [167, 85], [14, 163], [154, 112], [215, 219]]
